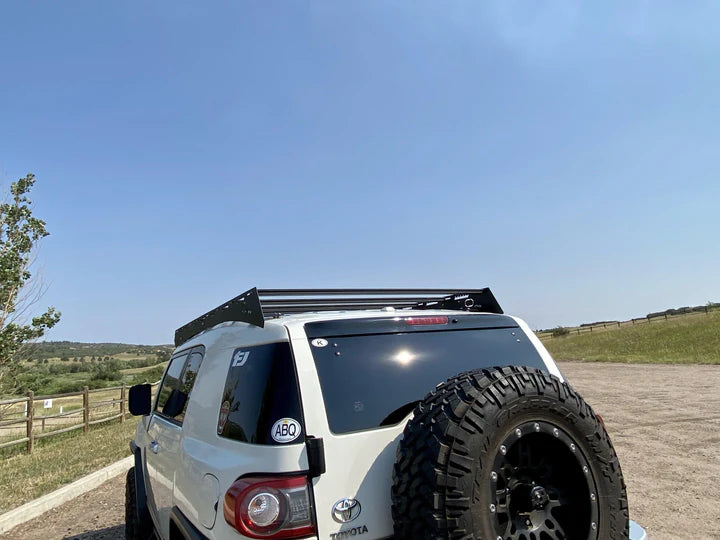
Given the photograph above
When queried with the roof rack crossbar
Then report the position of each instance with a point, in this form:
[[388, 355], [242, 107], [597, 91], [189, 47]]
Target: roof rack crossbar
[[363, 292], [256, 305], [310, 302]]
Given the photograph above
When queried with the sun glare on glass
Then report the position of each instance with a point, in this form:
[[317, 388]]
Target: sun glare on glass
[[404, 357]]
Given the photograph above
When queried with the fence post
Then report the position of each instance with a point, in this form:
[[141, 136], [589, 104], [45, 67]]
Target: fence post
[[618, 324], [122, 403], [86, 410], [30, 415]]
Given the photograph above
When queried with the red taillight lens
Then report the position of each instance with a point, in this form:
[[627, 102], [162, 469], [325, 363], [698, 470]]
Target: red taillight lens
[[270, 507], [426, 320]]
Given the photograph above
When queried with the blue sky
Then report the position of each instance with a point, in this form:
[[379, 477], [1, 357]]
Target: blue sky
[[564, 155]]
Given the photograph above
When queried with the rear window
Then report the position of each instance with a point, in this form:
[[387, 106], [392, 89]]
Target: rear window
[[260, 402], [372, 378]]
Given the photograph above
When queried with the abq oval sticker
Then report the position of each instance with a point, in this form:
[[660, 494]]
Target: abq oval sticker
[[285, 430]]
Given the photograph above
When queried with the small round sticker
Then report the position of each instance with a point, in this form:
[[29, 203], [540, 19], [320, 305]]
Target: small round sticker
[[285, 430], [319, 342]]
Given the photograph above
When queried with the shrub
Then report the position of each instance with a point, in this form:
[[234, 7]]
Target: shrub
[[559, 331]]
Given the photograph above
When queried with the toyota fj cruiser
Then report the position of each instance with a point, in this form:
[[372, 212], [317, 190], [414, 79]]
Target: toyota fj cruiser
[[373, 414]]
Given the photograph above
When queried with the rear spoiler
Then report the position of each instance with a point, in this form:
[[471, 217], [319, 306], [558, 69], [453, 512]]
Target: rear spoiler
[[257, 305]]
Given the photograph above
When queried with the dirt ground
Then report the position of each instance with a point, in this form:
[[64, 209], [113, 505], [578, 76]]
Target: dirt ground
[[664, 422]]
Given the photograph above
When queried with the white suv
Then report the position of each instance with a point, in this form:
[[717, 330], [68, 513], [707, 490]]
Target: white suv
[[369, 412]]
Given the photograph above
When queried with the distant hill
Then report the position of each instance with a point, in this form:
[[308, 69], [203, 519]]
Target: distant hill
[[72, 349], [657, 314], [692, 338]]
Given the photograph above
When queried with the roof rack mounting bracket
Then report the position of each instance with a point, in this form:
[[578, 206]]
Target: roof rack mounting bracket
[[243, 308]]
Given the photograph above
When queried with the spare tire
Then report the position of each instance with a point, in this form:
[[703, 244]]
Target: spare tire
[[508, 453]]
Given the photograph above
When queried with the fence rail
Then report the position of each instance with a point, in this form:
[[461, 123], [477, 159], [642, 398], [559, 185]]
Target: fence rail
[[611, 325], [27, 419]]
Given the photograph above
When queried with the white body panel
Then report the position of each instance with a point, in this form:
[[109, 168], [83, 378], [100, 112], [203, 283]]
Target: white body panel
[[161, 459]]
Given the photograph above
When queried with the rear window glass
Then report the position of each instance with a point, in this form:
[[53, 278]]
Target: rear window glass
[[373, 380], [260, 402]]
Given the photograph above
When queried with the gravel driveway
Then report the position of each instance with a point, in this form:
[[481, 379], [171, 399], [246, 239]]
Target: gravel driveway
[[664, 422]]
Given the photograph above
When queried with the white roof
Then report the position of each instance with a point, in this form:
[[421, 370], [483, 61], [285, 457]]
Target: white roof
[[276, 323]]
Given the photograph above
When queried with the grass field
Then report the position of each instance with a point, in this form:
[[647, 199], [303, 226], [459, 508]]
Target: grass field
[[137, 371], [694, 339], [61, 460]]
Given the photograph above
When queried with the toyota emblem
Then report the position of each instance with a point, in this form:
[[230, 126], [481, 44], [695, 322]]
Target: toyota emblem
[[345, 510]]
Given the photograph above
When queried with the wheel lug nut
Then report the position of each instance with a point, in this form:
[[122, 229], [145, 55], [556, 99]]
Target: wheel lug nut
[[493, 475], [585, 469], [518, 432], [492, 508], [503, 450], [572, 447], [537, 427], [593, 525], [556, 432], [592, 497]]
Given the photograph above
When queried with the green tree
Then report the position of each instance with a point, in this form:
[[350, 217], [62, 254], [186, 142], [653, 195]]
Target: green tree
[[20, 233]]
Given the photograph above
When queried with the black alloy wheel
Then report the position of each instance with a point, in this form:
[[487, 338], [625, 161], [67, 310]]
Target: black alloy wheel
[[542, 487]]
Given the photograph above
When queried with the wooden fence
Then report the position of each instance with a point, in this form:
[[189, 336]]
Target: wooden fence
[[610, 325], [27, 419]]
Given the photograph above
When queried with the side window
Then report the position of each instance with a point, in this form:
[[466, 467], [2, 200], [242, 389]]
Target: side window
[[170, 381], [177, 384], [261, 402], [187, 379]]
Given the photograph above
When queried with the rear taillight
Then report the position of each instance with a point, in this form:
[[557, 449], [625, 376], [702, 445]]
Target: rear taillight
[[270, 507]]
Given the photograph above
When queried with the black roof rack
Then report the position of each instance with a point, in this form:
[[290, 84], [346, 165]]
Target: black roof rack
[[256, 305]]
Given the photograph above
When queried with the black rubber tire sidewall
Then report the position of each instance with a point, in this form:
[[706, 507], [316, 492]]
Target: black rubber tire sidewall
[[439, 492], [131, 519]]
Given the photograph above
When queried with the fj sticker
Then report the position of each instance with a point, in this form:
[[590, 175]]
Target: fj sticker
[[239, 357], [285, 430], [319, 342]]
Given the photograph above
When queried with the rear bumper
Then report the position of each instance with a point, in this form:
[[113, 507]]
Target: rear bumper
[[637, 532]]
